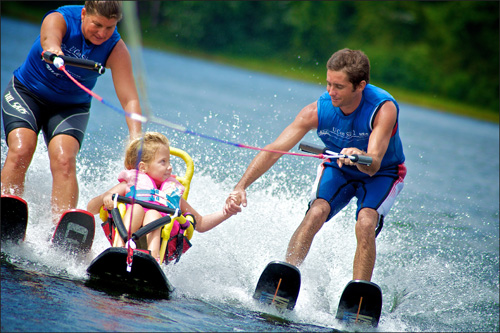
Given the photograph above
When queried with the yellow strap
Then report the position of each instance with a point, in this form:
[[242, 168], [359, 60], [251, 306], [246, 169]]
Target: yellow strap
[[103, 214], [122, 208], [190, 229]]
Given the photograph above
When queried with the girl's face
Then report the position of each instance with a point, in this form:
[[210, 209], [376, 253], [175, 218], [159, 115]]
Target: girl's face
[[160, 168]]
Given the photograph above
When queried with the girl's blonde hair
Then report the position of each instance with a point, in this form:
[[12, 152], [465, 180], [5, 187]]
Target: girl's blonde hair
[[149, 143]]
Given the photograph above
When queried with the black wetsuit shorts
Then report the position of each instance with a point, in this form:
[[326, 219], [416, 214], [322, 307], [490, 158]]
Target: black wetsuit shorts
[[22, 108]]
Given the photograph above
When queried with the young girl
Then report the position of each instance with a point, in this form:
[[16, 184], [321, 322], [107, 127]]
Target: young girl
[[154, 172]]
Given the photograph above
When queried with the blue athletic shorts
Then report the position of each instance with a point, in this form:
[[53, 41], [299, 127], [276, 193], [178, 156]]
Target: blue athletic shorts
[[339, 185], [23, 109]]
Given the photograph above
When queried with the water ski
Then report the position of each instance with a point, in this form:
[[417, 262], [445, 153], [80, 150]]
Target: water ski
[[279, 284], [108, 271], [75, 231], [360, 303], [14, 218]]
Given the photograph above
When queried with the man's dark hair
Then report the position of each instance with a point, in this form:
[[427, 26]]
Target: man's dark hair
[[353, 62]]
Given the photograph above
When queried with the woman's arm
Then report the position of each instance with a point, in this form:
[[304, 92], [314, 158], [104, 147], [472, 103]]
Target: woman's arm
[[120, 63], [52, 32]]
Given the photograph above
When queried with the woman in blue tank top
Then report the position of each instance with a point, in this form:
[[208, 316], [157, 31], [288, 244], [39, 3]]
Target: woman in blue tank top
[[41, 98], [351, 117]]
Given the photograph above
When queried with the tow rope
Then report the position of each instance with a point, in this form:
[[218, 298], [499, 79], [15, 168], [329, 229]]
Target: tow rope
[[59, 63]]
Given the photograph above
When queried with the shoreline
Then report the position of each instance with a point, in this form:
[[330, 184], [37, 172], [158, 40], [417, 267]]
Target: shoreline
[[274, 66]]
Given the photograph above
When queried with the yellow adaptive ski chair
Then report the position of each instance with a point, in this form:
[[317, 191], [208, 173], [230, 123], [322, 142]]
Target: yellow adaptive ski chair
[[177, 229]]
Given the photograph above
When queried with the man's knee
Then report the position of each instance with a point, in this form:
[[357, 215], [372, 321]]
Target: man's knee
[[367, 221], [316, 215], [319, 210]]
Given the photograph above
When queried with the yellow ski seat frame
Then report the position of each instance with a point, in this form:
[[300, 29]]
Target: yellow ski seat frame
[[185, 180]]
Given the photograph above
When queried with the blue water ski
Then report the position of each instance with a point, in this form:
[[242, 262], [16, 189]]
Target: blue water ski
[[14, 221], [279, 285], [360, 303], [75, 231]]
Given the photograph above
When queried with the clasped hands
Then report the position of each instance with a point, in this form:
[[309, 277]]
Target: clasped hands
[[234, 201]]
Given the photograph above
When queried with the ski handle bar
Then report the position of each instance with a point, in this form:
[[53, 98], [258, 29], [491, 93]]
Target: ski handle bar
[[148, 228], [315, 149], [76, 62]]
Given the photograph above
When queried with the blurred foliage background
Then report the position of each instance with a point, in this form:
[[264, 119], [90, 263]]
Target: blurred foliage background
[[441, 54]]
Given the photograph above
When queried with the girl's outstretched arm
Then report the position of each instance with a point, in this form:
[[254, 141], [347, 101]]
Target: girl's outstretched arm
[[206, 222]]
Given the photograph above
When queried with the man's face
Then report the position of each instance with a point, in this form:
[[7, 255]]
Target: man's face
[[342, 92]]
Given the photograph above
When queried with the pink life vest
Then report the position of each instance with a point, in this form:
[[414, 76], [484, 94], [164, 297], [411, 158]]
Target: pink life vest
[[144, 187], [168, 194]]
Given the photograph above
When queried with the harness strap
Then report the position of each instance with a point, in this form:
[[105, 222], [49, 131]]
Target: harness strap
[[181, 238], [130, 254], [152, 195]]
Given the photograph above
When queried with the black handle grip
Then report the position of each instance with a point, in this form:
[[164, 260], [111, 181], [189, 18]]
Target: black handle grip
[[361, 159], [311, 148], [151, 226], [117, 219], [82, 63], [115, 213], [47, 55]]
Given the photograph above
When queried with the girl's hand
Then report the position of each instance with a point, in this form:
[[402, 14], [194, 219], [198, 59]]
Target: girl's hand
[[108, 201], [234, 201]]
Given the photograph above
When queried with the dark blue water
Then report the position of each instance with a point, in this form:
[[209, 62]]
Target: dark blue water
[[437, 258]]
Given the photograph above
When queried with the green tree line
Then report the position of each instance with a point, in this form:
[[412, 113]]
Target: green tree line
[[446, 49]]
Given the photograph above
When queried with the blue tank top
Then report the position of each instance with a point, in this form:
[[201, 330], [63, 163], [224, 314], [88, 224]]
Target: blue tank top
[[51, 84], [338, 131]]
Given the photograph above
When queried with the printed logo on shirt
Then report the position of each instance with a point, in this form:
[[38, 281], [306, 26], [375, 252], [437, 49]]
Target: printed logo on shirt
[[73, 52], [351, 136]]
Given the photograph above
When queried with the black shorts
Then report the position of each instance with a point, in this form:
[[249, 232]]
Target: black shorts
[[23, 109]]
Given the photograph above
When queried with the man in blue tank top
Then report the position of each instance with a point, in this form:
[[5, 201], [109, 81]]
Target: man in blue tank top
[[41, 98], [351, 117]]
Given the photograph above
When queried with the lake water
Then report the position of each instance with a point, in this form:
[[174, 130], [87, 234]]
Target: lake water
[[437, 258]]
